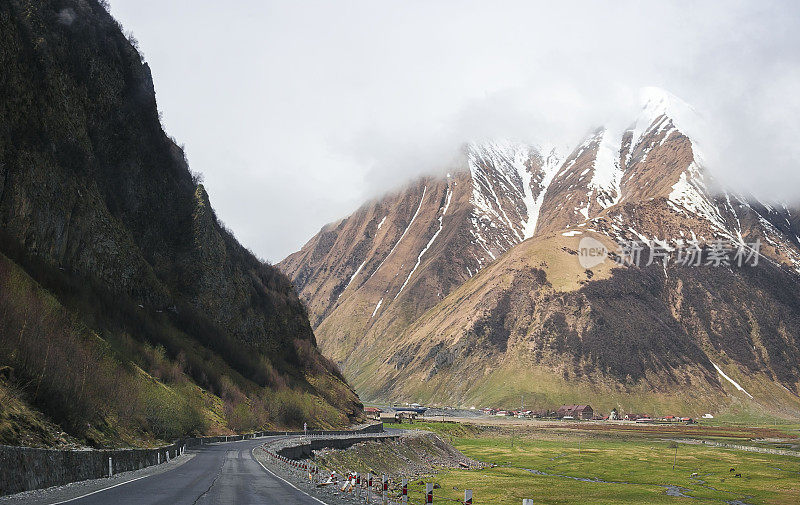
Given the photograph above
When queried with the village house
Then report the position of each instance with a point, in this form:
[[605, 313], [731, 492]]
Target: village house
[[372, 412], [584, 412]]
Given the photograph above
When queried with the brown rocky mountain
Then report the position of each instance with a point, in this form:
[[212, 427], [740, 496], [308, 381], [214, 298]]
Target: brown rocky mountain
[[467, 289]]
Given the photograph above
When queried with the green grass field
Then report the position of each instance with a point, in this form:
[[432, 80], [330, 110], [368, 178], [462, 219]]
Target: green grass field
[[570, 466]]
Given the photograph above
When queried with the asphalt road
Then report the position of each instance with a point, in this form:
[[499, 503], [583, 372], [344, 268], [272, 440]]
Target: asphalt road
[[219, 474]]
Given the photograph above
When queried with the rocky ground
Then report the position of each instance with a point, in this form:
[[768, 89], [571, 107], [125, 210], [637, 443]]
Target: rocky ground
[[414, 455]]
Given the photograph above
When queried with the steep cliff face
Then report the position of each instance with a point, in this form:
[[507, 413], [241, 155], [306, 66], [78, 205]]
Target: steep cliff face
[[92, 187], [514, 312]]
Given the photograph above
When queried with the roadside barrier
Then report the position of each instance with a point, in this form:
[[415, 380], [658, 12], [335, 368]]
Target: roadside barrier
[[27, 468]]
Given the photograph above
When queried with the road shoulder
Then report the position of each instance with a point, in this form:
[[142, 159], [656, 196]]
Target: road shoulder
[[69, 492]]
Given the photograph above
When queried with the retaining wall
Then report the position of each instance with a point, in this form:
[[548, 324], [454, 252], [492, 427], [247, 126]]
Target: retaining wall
[[302, 448], [26, 468]]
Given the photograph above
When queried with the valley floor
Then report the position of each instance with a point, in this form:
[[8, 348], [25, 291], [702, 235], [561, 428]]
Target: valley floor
[[572, 464]]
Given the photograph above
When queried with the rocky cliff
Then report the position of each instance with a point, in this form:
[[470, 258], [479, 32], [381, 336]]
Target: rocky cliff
[[98, 205]]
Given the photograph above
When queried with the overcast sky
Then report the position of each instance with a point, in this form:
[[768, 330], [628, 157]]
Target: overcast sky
[[297, 112]]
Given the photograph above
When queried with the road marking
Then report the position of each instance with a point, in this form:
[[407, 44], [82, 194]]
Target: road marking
[[281, 478], [101, 490], [121, 483]]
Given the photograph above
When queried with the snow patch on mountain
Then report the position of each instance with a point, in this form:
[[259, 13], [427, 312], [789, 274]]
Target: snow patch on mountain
[[496, 166], [607, 175], [354, 275], [413, 218], [378, 306], [658, 103], [550, 166], [430, 242], [735, 384], [691, 193]]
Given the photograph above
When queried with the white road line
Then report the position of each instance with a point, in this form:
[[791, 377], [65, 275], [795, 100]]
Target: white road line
[[281, 478], [188, 458], [104, 489]]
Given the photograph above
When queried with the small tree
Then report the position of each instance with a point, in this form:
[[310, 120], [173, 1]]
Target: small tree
[[674, 445]]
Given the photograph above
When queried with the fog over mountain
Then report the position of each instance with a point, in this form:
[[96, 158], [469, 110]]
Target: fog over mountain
[[383, 92]]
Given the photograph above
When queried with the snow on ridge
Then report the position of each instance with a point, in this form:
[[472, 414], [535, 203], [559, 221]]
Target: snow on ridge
[[430, 242], [364, 262], [353, 276], [658, 103], [690, 192], [424, 190], [528, 224], [735, 384], [550, 167], [607, 175], [507, 159], [376, 308], [512, 175]]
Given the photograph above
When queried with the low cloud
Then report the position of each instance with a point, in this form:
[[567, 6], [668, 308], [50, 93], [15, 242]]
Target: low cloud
[[324, 111]]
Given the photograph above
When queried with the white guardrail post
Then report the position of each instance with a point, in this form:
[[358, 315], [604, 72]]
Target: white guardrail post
[[110, 468], [384, 489], [404, 493], [527, 501]]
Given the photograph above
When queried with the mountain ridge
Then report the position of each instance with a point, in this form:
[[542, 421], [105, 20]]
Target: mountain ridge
[[645, 183]]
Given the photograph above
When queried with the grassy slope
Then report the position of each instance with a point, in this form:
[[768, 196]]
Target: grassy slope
[[129, 406], [47, 352]]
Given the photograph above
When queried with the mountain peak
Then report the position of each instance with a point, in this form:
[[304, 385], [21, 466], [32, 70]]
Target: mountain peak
[[664, 110]]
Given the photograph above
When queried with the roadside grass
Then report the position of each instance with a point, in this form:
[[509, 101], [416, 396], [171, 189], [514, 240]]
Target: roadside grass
[[510, 486], [637, 470]]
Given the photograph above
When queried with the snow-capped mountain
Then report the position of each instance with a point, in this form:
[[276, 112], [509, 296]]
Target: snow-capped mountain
[[442, 289], [508, 187]]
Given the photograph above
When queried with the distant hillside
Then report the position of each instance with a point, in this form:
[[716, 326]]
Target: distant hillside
[[123, 297], [466, 289]]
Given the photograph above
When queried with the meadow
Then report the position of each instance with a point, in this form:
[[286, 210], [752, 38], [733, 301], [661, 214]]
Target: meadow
[[615, 464]]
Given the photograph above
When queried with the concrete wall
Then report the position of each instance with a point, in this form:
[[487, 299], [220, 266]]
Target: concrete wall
[[26, 468]]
